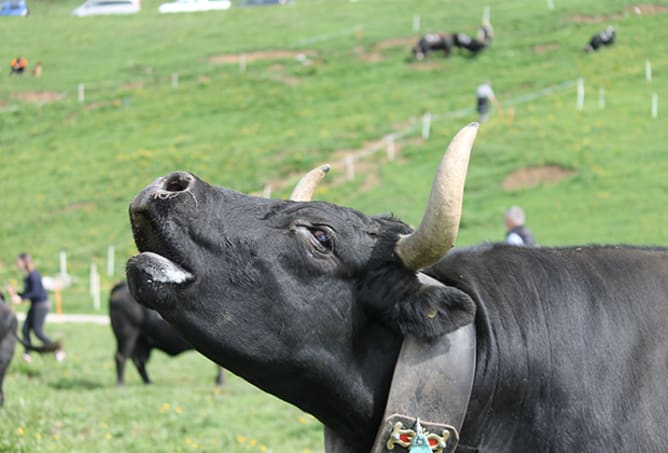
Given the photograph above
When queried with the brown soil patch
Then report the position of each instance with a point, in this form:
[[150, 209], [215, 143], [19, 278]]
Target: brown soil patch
[[647, 9], [261, 55], [635, 9], [391, 43], [38, 96], [136, 85], [544, 48], [535, 176]]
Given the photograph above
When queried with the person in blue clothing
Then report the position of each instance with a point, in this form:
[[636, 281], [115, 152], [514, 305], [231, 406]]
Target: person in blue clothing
[[33, 290], [516, 232]]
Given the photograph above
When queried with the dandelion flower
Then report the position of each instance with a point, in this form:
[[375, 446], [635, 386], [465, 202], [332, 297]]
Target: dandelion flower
[[20, 431], [241, 439]]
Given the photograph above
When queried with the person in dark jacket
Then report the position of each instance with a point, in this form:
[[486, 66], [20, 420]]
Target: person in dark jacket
[[33, 290], [516, 232]]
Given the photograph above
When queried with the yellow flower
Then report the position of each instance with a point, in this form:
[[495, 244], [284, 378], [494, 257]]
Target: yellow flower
[[56, 436], [107, 436], [302, 420], [252, 442], [20, 431], [195, 445], [241, 439], [263, 448], [38, 436], [188, 441], [178, 410], [306, 450]]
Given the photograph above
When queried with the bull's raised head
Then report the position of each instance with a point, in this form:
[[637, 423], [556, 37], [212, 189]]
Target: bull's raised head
[[307, 300]]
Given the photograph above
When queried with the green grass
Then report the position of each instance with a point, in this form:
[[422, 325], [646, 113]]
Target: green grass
[[75, 405], [68, 170]]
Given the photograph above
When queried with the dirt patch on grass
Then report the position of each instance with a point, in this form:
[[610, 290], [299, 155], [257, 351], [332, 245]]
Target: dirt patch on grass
[[647, 9], [407, 42], [262, 55], [136, 85], [635, 9], [535, 176], [278, 73], [38, 97], [544, 48]]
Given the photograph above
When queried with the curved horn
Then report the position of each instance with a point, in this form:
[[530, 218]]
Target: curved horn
[[304, 189], [438, 230]]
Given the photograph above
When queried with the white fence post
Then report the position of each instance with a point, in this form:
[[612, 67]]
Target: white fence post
[[416, 23], [81, 93], [426, 125], [486, 11], [110, 261], [601, 98], [350, 167], [175, 80], [95, 285], [648, 71], [655, 105], [63, 263], [391, 151], [581, 94], [242, 63], [266, 192]]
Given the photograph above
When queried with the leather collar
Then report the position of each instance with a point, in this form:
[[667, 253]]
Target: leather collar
[[432, 382]]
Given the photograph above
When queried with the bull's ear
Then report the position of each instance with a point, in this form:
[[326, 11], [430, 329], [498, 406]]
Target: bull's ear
[[414, 308]]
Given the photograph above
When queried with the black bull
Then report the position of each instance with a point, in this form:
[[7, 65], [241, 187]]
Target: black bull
[[8, 339], [138, 331], [310, 301]]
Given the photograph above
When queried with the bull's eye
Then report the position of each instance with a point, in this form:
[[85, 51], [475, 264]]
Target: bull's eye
[[323, 237]]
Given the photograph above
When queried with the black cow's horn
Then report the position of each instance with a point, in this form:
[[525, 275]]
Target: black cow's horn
[[306, 186], [438, 230]]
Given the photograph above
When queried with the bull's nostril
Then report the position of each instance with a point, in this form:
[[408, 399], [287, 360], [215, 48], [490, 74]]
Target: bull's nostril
[[178, 182]]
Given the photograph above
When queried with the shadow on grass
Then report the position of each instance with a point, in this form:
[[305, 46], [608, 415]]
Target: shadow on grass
[[75, 384]]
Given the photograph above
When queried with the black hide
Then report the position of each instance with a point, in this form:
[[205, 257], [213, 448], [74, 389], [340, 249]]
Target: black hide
[[309, 301]]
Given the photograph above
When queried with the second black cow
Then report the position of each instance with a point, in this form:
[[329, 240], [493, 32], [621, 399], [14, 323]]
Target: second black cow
[[139, 330]]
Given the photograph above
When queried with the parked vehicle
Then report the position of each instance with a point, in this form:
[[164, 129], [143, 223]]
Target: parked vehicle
[[183, 6], [14, 8], [263, 2], [100, 7]]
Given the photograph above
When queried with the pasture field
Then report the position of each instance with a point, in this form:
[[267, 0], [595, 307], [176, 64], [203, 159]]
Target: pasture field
[[75, 405], [323, 79], [69, 169]]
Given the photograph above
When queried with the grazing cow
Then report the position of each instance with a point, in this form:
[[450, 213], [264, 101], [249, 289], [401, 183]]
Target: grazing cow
[[473, 45], [562, 349], [8, 338], [601, 39], [138, 331], [432, 42]]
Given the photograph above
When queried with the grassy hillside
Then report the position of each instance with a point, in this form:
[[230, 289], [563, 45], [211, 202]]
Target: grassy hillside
[[69, 169]]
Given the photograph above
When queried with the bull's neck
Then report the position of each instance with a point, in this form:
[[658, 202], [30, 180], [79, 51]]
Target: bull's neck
[[348, 390]]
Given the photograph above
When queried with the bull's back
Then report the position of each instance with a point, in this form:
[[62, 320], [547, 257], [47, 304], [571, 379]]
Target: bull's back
[[578, 339]]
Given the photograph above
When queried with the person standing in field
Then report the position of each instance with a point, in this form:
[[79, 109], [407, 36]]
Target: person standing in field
[[516, 232], [484, 96], [33, 290]]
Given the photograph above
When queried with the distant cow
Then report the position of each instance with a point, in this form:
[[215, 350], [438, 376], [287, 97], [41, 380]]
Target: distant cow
[[139, 330], [432, 42], [604, 38], [8, 338], [477, 44]]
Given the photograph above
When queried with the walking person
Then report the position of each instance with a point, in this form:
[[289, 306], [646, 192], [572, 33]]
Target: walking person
[[33, 290], [484, 96], [516, 232]]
